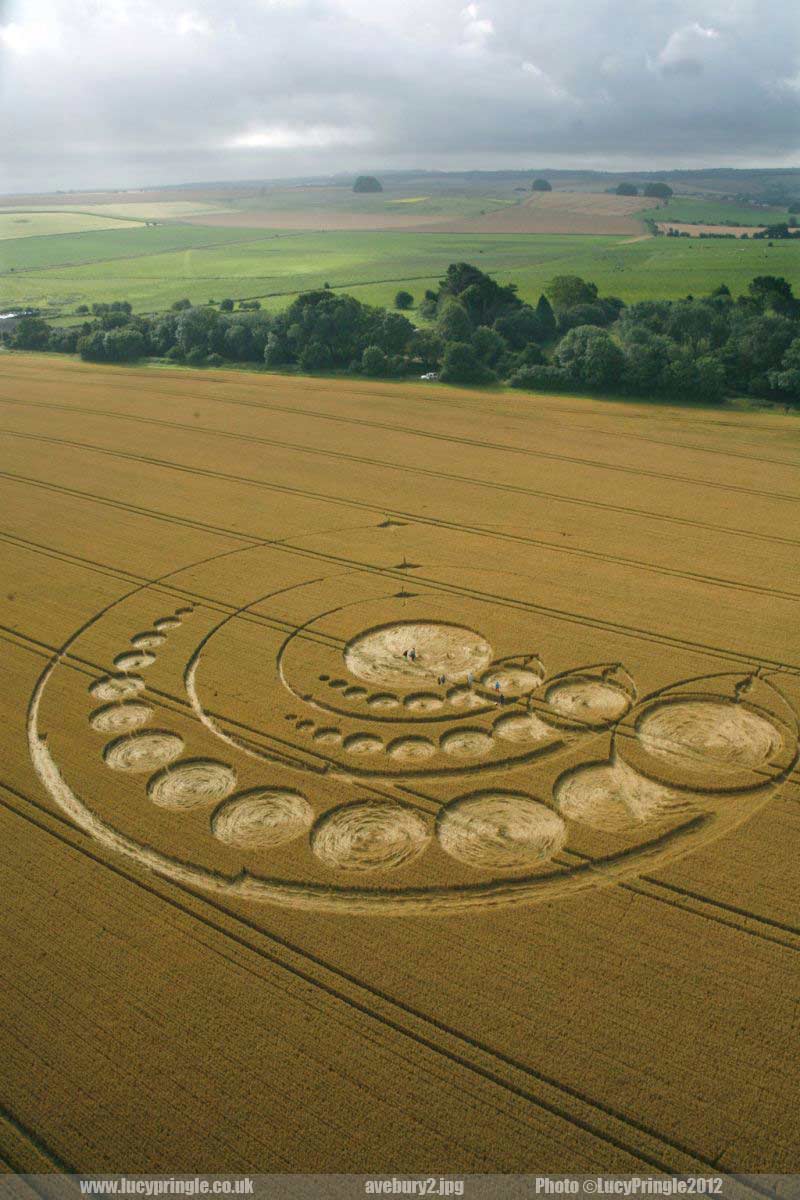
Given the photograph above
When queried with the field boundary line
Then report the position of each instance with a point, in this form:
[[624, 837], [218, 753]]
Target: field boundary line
[[698, 905], [23, 1134]]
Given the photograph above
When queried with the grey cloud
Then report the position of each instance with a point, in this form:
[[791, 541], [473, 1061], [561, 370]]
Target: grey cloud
[[131, 92]]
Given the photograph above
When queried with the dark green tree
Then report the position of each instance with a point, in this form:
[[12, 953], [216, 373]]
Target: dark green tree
[[521, 326], [565, 291], [546, 318], [425, 349], [453, 324], [659, 191], [374, 361], [592, 358], [541, 185], [460, 364], [367, 183], [627, 189], [403, 299], [31, 333], [489, 345]]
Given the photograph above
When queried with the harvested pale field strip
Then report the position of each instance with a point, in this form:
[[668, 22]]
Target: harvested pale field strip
[[27, 224], [697, 231]]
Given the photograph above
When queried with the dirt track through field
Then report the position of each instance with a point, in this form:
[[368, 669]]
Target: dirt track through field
[[384, 750]]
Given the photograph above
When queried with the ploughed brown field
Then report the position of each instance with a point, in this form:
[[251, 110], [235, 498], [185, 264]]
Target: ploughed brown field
[[282, 895], [541, 212]]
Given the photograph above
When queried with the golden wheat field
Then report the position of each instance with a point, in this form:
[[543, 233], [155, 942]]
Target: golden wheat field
[[394, 777]]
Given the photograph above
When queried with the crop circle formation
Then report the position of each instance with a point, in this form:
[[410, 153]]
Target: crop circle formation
[[402, 714]]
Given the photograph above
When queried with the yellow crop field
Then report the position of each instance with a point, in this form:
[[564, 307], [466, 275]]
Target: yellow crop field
[[18, 224], [394, 777]]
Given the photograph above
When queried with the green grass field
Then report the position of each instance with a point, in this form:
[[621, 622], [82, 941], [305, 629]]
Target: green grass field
[[17, 225], [119, 240], [153, 267], [715, 212]]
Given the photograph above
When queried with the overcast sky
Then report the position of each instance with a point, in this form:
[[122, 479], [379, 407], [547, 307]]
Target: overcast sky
[[135, 92]]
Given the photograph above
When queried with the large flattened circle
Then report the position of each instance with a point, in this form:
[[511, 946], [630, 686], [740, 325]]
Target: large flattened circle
[[500, 830], [384, 655], [369, 835]]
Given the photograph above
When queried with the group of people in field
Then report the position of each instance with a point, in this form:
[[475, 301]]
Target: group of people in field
[[411, 655]]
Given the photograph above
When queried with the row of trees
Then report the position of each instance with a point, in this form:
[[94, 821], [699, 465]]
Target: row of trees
[[657, 190], [479, 331]]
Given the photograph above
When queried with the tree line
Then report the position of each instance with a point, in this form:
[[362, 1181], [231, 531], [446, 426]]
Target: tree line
[[478, 331]]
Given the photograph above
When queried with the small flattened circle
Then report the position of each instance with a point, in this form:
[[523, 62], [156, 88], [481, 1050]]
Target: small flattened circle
[[466, 743], [464, 697], [411, 749], [120, 718], [190, 784], [328, 737], [115, 687], [502, 830], [164, 624], [262, 818], [383, 701], [354, 693], [369, 835], [422, 702], [589, 701], [136, 661], [514, 681], [151, 639], [139, 752], [522, 727], [363, 743]]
